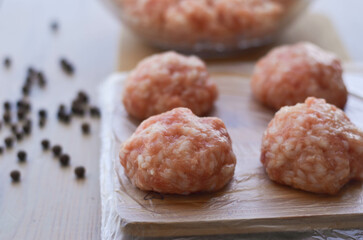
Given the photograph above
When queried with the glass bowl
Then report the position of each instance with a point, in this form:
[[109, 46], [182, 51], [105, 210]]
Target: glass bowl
[[207, 27]]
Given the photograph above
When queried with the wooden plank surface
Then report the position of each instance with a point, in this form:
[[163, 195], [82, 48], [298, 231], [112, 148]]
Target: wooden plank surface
[[251, 203], [49, 203]]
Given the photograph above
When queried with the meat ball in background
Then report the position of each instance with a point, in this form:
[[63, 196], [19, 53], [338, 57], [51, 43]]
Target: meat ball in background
[[289, 74], [165, 81]]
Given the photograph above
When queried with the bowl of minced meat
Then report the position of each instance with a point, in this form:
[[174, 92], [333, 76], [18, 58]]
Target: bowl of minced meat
[[207, 26]]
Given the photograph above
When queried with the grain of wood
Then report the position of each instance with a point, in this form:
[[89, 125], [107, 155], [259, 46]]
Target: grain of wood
[[49, 202]]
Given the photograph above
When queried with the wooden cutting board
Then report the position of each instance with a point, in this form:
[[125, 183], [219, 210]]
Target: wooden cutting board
[[251, 202]]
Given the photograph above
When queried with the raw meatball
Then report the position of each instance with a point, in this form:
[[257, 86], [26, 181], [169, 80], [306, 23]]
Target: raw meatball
[[166, 81], [313, 146], [189, 22], [178, 152], [290, 74], [222, 20]]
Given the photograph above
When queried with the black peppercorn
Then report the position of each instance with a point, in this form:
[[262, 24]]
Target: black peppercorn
[[21, 115], [25, 90], [61, 107], [28, 122], [19, 136], [23, 105], [28, 81], [41, 79], [66, 66], [42, 122], [64, 160], [45, 144], [19, 104], [31, 71], [7, 62], [57, 150], [82, 97], [15, 175], [80, 171], [95, 112], [8, 142], [85, 128], [54, 26], [14, 128], [7, 106], [27, 129], [42, 113], [22, 156], [60, 115], [67, 118], [7, 117], [1, 150]]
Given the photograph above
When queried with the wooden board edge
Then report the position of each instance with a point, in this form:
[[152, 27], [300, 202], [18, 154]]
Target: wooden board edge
[[306, 223]]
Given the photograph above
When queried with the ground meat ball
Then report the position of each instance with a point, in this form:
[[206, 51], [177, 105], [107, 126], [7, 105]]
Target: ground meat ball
[[290, 74], [313, 146], [166, 81], [178, 152], [221, 19], [190, 21]]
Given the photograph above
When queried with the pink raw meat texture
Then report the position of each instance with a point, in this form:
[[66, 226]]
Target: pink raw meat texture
[[166, 81], [178, 152], [290, 74], [313, 146]]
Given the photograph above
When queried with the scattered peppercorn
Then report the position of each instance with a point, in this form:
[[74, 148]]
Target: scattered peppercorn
[[66, 66], [80, 171], [95, 112], [7, 117], [27, 129], [31, 72], [1, 150], [54, 26], [21, 115], [42, 122], [28, 81], [77, 110], [57, 150], [61, 108], [22, 156], [7, 106], [60, 115], [15, 175], [64, 160], [23, 105], [82, 97], [27, 107], [14, 128], [85, 128], [19, 104], [41, 79], [42, 113], [45, 144], [8, 142], [66, 118], [19, 136], [29, 122], [7, 62], [26, 90]]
